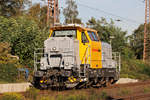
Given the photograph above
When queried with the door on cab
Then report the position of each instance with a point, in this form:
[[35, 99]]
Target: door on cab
[[84, 48], [96, 54]]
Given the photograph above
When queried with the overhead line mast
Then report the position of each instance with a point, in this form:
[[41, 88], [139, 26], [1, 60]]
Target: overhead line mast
[[146, 51], [52, 12]]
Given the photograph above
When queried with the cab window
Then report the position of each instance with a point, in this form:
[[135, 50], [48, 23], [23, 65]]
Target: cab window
[[64, 33], [90, 35], [84, 38], [93, 36]]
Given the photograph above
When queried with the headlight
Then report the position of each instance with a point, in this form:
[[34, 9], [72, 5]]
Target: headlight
[[67, 64], [42, 64], [54, 48]]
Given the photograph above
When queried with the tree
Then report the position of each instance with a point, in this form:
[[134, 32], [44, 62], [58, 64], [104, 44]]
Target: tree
[[137, 40], [23, 35], [38, 13], [71, 12], [10, 8], [8, 69], [5, 56]]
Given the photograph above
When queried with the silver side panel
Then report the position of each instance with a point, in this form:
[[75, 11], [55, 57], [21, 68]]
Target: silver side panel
[[76, 52], [107, 61]]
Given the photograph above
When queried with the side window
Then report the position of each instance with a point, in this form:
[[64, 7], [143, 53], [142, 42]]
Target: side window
[[84, 38], [53, 34], [93, 36]]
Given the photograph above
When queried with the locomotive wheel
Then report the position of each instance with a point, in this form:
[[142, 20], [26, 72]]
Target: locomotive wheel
[[81, 85], [36, 82], [43, 86], [108, 82]]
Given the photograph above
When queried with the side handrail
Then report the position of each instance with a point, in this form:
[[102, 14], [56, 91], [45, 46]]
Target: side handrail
[[117, 57], [87, 54], [85, 58]]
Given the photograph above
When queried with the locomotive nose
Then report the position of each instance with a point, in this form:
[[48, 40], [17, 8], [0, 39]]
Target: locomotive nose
[[55, 60]]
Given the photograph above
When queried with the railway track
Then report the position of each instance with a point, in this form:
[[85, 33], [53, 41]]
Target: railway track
[[128, 85], [134, 96]]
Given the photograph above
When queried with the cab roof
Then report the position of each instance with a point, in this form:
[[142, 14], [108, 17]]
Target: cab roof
[[72, 26]]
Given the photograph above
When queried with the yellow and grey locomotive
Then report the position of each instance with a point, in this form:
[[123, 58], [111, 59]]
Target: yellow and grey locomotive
[[74, 56]]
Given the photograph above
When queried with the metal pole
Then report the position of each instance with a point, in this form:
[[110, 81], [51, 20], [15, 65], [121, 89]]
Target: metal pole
[[119, 62], [148, 10], [145, 31], [51, 7], [48, 12], [57, 11], [72, 15], [54, 12]]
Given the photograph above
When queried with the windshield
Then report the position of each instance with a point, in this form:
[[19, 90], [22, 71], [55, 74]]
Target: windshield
[[93, 36], [64, 33]]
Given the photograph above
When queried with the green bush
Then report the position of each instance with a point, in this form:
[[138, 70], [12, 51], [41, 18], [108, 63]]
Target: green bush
[[12, 96], [32, 93], [23, 35], [135, 69], [8, 73]]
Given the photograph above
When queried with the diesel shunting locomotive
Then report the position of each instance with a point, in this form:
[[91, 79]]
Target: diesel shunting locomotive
[[74, 57]]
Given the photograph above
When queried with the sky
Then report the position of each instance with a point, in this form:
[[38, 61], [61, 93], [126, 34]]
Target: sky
[[130, 12]]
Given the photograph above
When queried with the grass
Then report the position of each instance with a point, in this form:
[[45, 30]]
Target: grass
[[91, 94], [32, 93], [12, 96], [135, 69], [46, 98], [124, 92], [103, 95], [146, 89]]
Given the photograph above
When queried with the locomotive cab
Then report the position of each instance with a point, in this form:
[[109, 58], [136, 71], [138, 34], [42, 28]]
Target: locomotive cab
[[74, 56]]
